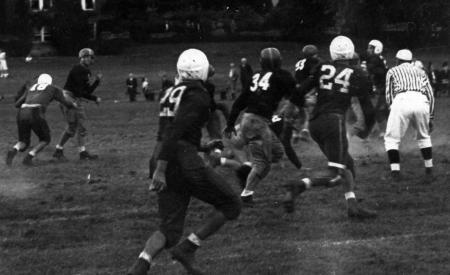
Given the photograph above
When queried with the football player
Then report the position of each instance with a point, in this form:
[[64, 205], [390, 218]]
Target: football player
[[260, 101], [377, 69], [31, 117], [336, 83], [179, 172], [78, 86], [303, 69]]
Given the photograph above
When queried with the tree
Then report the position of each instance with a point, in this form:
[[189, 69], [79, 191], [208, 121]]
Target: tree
[[69, 26]]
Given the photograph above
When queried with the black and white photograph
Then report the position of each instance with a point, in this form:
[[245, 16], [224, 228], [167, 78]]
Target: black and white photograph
[[224, 137]]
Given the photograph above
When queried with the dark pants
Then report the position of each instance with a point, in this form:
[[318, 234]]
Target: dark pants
[[32, 119], [329, 132], [132, 94], [187, 176]]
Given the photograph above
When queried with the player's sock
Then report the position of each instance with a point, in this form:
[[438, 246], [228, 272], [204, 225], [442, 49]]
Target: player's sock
[[145, 256], [59, 147], [193, 238], [394, 159]]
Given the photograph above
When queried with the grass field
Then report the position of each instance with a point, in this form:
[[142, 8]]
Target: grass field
[[52, 221]]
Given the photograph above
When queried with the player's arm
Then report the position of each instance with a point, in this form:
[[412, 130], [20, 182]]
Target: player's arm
[[21, 99], [238, 105], [58, 95], [429, 94]]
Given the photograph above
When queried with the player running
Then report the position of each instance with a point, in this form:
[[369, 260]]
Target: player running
[[180, 172], [260, 101], [303, 69], [336, 83], [79, 87], [31, 117]]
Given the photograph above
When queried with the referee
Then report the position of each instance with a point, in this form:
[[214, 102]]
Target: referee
[[410, 97]]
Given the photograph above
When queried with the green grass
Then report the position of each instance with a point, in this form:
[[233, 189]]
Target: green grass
[[53, 222]]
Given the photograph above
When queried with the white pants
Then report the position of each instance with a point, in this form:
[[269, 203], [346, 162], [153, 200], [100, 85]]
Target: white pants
[[408, 108], [3, 65]]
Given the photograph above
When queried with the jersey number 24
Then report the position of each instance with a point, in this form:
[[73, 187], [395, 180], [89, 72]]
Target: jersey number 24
[[330, 81]]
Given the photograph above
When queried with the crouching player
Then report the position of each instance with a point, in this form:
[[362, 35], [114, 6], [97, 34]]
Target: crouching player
[[31, 117], [337, 82], [180, 172]]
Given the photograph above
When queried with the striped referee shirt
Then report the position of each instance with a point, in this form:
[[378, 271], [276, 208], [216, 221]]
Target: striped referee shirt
[[408, 78]]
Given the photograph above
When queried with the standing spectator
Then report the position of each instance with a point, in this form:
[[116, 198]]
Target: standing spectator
[[3, 65], [410, 97], [166, 83], [149, 95], [79, 87], [31, 117], [233, 77], [132, 87], [246, 74], [444, 79]]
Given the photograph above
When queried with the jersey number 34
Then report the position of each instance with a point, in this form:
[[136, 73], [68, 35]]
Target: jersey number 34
[[330, 81], [262, 83]]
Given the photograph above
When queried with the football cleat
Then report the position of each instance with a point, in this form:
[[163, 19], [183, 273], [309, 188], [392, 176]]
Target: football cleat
[[140, 267], [185, 254], [395, 176], [248, 200], [358, 212], [85, 155], [10, 156], [28, 160], [59, 154]]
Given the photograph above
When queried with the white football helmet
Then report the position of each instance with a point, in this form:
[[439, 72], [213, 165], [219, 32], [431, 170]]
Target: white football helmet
[[377, 46], [342, 48], [193, 65], [404, 54], [45, 79]]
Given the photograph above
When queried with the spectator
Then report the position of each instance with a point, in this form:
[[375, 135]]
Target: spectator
[[149, 95], [246, 74], [233, 77], [443, 80], [165, 84], [3, 65], [131, 87]]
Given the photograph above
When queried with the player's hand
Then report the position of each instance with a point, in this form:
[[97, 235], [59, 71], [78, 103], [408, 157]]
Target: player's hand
[[98, 100], [75, 105], [229, 131], [158, 182], [430, 126], [99, 76]]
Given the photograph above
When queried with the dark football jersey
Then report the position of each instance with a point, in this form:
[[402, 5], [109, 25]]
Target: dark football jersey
[[264, 94], [376, 68], [336, 84], [78, 82], [305, 67], [42, 95], [185, 108]]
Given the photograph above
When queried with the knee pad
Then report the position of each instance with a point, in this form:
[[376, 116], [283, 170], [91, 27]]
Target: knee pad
[[424, 143]]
